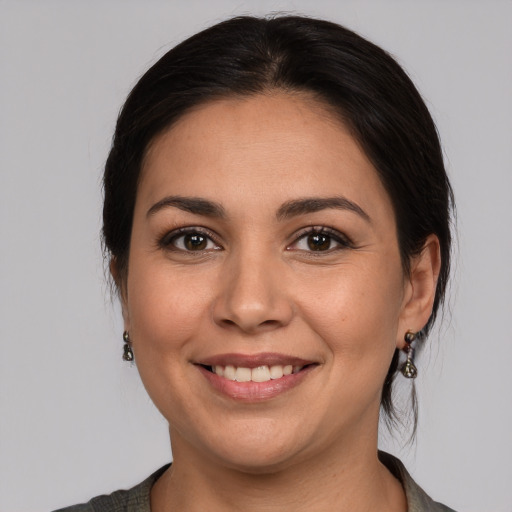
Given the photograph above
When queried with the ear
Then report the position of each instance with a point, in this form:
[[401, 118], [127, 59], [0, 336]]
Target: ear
[[420, 289], [120, 282]]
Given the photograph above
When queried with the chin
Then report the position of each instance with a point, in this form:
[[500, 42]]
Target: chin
[[259, 450], [258, 462]]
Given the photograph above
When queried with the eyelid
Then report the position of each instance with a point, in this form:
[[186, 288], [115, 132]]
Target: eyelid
[[165, 241], [336, 235]]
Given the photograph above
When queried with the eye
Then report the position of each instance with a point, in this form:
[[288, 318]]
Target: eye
[[320, 240], [189, 240]]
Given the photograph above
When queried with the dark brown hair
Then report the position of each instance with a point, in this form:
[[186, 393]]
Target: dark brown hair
[[355, 79]]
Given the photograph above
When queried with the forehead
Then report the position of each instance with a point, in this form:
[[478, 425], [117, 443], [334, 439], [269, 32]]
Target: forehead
[[276, 146]]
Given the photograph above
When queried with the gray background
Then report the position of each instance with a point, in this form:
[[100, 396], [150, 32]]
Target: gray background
[[74, 420]]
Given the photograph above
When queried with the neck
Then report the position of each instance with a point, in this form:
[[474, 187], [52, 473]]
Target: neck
[[353, 480]]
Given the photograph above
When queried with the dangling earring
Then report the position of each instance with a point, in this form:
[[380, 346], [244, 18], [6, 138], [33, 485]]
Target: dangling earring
[[408, 369], [127, 349]]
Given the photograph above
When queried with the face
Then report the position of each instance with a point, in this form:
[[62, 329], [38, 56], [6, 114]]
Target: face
[[265, 294]]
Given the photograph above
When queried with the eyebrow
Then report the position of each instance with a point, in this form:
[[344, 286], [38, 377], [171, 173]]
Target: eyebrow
[[288, 210], [315, 204], [189, 204]]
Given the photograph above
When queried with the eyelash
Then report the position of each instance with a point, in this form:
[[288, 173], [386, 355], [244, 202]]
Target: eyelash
[[334, 235], [168, 241]]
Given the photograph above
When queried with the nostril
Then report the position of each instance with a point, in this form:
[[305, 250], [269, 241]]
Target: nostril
[[270, 323], [251, 326], [251, 312]]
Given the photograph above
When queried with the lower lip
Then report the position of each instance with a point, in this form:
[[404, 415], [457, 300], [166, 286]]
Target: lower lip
[[255, 391]]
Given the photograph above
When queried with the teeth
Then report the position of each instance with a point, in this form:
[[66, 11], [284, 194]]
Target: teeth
[[259, 374], [243, 374], [276, 372], [229, 372]]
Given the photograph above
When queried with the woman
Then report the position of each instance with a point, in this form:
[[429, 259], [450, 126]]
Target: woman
[[277, 217]]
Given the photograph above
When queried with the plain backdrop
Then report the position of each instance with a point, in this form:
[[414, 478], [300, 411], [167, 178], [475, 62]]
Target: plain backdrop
[[74, 419]]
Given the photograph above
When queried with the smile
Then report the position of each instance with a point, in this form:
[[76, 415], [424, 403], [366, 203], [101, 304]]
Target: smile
[[262, 373], [255, 378]]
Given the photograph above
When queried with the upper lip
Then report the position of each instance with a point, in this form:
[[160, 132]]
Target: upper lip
[[254, 360]]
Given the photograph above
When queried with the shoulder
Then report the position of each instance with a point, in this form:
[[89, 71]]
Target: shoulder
[[135, 499], [417, 498]]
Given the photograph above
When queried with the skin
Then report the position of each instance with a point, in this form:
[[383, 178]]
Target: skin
[[255, 287]]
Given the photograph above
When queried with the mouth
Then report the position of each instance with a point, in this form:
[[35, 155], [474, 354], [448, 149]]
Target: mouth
[[256, 377], [263, 373]]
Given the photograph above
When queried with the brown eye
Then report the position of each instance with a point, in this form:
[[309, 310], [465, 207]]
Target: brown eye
[[319, 242], [189, 241], [195, 242], [320, 239]]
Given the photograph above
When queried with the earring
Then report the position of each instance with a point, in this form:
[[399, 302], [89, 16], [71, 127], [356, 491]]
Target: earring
[[127, 349], [408, 369]]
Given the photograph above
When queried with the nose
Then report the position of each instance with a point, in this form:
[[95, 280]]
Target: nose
[[253, 295]]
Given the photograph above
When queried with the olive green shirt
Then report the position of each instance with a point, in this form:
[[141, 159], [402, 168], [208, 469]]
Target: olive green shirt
[[136, 499]]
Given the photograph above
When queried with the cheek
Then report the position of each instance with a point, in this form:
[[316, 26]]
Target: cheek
[[356, 309], [164, 307]]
